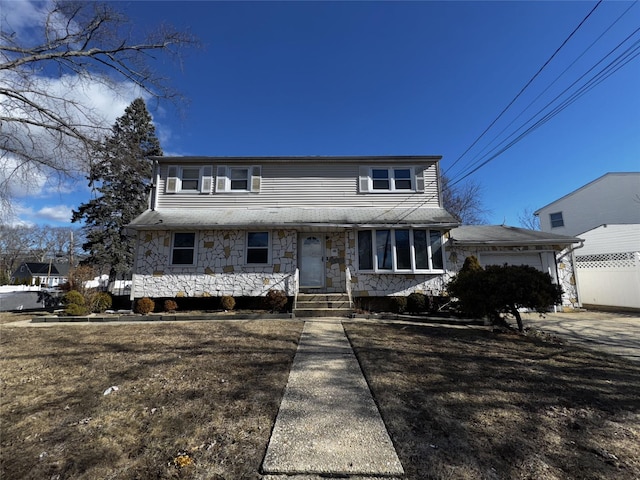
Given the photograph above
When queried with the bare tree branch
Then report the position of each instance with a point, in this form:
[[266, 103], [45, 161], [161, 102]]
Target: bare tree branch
[[47, 128], [464, 201]]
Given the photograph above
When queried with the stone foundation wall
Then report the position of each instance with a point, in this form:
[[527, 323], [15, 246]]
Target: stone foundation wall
[[567, 279], [220, 267]]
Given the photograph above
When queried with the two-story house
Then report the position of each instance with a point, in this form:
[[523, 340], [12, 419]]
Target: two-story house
[[605, 213], [613, 198], [240, 226]]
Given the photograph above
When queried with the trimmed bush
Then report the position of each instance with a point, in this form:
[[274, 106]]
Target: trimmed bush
[[417, 302], [74, 303], [275, 300], [144, 306], [73, 297], [228, 302], [170, 306], [496, 289], [100, 301], [75, 310], [398, 304]]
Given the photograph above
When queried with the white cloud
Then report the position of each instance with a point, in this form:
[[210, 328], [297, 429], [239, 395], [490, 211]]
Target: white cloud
[[20, 16], [57, 213]]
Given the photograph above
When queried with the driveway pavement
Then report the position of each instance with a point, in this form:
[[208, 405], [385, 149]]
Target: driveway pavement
[[616, 333]]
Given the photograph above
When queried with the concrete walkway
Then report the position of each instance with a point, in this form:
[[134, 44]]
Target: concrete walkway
[[328, 423]]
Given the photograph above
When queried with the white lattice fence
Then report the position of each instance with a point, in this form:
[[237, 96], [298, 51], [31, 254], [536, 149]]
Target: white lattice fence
[[609, 279], [608, 260]]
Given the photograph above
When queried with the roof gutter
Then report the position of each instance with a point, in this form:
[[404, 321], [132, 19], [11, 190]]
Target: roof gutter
[[311, 226]]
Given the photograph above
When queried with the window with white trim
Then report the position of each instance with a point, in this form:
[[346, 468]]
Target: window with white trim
[[400, 250], [391, 179], [258, 248], [189, 179], [183, 250], [238, 178], [556, 220]]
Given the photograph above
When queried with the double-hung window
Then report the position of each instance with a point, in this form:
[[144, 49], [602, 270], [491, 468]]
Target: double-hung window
[[184, 248], [258, 248], [556, 220], [391, 179], [238, 178], [189, 179], [400, 250]]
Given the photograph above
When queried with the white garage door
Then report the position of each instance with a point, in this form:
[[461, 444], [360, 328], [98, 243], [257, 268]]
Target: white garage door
[[532, 260]]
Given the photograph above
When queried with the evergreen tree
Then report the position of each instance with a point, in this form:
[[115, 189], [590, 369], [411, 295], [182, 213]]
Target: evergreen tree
[[121, 179]]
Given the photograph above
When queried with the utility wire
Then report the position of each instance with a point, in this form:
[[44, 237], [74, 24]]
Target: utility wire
[[619, 62], [525, 87], [479, 154]]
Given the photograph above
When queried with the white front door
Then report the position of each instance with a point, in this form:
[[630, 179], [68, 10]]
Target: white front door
[[311, 260]]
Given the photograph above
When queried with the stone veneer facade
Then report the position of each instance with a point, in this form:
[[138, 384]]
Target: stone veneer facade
[[220, 268]]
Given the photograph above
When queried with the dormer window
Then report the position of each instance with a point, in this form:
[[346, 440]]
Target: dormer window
[[238, 179], [391, 179], [380, 179], [189, 179]]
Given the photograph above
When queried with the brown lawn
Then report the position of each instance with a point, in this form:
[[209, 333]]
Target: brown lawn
[[197, 400], [468, 404], [194, 399]]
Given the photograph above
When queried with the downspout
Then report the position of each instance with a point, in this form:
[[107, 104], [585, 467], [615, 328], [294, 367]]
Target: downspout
[[155, 180]]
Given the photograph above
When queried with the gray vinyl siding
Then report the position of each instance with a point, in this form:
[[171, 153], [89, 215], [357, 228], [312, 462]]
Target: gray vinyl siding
[[290, 185]]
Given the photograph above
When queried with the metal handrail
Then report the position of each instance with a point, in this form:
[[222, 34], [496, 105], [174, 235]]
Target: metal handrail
[[296, 288], [347, 275]]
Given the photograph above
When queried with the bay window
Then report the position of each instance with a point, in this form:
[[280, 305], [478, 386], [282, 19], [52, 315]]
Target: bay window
[[401, 250]]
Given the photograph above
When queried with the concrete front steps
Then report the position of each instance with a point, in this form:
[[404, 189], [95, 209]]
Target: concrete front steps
[[322, 305]]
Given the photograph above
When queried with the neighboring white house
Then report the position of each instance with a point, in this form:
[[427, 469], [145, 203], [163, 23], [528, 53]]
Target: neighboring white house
[[606, 214], [502, 244], [612, 198], [241, 226]]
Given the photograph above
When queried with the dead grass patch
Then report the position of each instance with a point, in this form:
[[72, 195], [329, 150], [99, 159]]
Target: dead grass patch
[[194, 400], [470, 404]]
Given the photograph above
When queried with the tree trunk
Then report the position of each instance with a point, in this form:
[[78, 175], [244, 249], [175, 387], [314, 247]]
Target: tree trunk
[[516, 314]]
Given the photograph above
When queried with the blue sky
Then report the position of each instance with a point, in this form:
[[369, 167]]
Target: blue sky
[[399, 78]]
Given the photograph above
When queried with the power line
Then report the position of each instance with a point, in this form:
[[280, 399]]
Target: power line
[[479, 154], [526, 85], [619, 62]]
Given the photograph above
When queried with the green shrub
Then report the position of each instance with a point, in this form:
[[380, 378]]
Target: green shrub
[[275, 300], [503, 289], [417, 302], [100, 301], [75, 310], [144, 306], [170, 306], [73, 297], [74, 303], [399, 304], [228, 302]]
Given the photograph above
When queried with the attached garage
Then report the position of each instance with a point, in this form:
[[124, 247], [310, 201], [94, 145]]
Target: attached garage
[[500, 244]]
